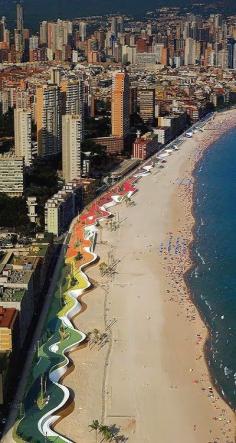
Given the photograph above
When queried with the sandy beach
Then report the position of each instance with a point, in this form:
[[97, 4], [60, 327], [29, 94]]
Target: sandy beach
[[150, 379]]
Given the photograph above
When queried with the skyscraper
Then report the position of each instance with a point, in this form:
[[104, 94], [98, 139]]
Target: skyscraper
[[147, 105], [48, 119], [55, 74], [190, 52], [2, 29], [83, 31], [73, 98], [22, 129], [19, 17], [114, 26], [71, 146], [43, 32], [120, 104]]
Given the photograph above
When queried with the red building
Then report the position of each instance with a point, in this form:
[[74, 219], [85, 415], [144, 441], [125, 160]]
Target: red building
[[145, 146]]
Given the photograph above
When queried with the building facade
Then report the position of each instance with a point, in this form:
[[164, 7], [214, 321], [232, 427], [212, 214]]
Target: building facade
[[71, 146], [12, 175], [147, 105], [22, 130], [63, 207], [48, 119], [120, 104]]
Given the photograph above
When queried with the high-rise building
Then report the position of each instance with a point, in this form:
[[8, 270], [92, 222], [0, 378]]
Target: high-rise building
[[114, 26], [62, 207], [19, 41], [33, 42], [55, 74], [48, 119], [71, 146], [190, 52], [83, 31], [133, 100], [2, 29], [19, 17], [120, 104], [43, 36], [147, 105], [121, 25], [73, 99], [22, 129]]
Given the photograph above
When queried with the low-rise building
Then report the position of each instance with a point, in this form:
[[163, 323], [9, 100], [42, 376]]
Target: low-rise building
[[164, 134], [8, 326], [12, 175], [113, 145], [23, 272], [9, 337], [145, 146]]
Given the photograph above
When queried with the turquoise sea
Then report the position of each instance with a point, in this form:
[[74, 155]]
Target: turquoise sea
[[212, 278]]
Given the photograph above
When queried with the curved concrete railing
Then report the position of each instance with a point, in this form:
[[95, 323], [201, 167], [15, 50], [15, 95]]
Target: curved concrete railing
[[47, 421]]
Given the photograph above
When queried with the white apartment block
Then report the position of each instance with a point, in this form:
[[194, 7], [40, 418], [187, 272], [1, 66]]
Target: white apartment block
[[22, 129], [12, 175], [72, 135], [63, 207]]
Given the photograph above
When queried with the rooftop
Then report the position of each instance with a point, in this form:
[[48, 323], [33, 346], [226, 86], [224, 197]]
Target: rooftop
[[7, 317]]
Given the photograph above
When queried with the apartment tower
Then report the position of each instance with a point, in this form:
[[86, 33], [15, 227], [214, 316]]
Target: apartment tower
[[120, 104], [48, 119], [22, 130], [19, 17], [147, 105], [72, 135], [73, 98]]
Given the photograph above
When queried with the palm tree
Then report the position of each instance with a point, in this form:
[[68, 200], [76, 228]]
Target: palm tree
[[106, 432], [107, 435], [95, 426], [79, 256]]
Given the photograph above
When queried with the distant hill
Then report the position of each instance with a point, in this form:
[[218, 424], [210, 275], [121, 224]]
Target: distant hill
[[36, 10]]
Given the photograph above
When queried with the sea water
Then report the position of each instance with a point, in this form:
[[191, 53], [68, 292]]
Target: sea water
[[212, 279]]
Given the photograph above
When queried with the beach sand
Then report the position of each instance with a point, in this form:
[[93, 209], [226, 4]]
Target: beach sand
[[151, 378]]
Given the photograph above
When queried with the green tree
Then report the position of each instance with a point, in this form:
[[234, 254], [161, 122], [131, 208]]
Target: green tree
[[95, 426]]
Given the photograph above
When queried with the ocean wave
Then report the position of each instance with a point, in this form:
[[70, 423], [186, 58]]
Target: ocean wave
[[200, 256]]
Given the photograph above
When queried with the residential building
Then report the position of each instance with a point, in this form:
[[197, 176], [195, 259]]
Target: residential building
[[147, 105], [145, 146], [72, 135], [83, 31], [48, 120], [73, 98], [12, 175], [63, 207], [19, 17], [120, 104], [55, 74], [8, 318], [22, 129]]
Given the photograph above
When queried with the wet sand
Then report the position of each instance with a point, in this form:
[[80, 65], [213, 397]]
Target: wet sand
[[150, 379]]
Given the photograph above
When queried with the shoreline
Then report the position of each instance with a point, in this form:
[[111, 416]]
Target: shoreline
[[192, 261], [130, 355]]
